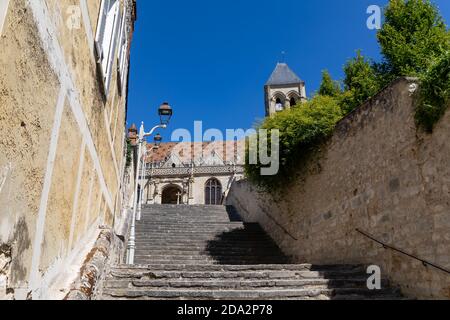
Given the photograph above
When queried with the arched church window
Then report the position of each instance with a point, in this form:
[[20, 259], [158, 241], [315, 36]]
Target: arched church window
[[279, 105], [293, 102], [213, 192]]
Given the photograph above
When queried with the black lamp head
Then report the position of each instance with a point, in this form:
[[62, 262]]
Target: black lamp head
[[165, 113]]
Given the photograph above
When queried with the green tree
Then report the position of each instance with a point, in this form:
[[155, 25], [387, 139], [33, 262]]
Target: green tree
[[434, 93], [329, 87], [415, 42], [361, 82], [413, 35], [301, 130]]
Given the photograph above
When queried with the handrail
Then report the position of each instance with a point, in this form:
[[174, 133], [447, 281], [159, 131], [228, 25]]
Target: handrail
[[386, 246]]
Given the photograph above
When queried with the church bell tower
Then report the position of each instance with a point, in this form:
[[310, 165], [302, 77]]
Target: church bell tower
[[283, 90]]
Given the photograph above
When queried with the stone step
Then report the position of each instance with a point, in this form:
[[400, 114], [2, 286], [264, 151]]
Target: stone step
[[225, 236], [184, 226], [179, 250], [242, 294], [222, 233], [208, 237], [187, 221], [211, 250], [147, 213], [210, 245], [181, 225], [240, 274], [232, 268], [171, 218], [168, 215], [206, 257], [185, 212], [143, 260], [193, 246], [206, 251], [187, 232], [205, 213], [183, 207], [239, 284], [210, 242]]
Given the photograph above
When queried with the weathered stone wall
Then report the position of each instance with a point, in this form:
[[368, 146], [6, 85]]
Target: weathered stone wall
[[379, 174], [61, 141]]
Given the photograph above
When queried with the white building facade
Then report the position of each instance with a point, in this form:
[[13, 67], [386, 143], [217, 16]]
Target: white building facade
[[192, 173]]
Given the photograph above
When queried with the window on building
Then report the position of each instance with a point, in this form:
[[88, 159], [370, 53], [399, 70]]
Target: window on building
[[213, 192], [279, 105], [293, 102], [123, 52], [3, 11], [106, 38]]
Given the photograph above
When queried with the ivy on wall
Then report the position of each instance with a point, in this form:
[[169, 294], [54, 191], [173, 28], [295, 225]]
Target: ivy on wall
[[129, 154]]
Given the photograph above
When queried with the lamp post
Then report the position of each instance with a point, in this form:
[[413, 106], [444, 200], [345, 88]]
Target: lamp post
[[165, 113], [158, 140]]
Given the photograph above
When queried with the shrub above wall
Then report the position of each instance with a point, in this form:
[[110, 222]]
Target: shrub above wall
[[435, 93], [302, 128]]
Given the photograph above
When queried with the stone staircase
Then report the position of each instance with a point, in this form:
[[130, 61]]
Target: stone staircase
[[207, 253]]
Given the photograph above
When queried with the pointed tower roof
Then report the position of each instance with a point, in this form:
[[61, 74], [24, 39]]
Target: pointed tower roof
[[283, 75]]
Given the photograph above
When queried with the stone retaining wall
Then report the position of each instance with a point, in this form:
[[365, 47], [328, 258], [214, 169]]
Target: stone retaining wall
[[379, 174]]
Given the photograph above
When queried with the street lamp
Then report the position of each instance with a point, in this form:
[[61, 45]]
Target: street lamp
[[158, 140], [165, 113]]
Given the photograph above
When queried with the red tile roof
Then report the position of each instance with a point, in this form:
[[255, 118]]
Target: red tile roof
[[188, 152]]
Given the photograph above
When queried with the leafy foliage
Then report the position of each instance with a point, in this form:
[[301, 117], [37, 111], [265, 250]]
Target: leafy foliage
[[415, 42], [329, 87], [129, 153], [414, 33], [301, 129], [361, 82], [435, 93]]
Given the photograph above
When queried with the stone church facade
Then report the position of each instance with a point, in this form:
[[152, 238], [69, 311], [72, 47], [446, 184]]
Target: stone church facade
[[192, 173]]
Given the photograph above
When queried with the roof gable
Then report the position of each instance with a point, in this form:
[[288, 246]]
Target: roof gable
[[283, 75]]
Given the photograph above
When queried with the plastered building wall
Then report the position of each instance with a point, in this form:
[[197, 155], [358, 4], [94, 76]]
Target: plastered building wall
[[61, 142]]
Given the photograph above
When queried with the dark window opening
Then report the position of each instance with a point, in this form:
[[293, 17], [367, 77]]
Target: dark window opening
[[213, 192], [293, 102], [279, 105]]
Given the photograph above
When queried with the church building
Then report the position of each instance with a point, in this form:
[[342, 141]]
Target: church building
[[192, 173], [202, 173], [283, 90]]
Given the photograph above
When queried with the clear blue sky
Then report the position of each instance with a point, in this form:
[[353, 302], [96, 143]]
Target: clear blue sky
[[210, 59]]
